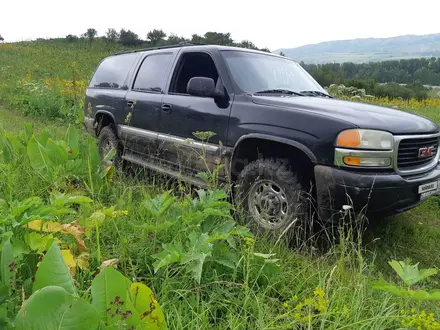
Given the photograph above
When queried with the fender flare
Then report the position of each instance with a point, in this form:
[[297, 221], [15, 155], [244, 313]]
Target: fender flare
[[106, 113], [292, 143]]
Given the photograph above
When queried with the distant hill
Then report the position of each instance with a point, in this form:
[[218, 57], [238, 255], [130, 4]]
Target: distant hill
[[367, 50]]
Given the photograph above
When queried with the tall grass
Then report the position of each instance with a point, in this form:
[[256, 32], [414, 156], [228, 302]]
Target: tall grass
[[264, 286], [307, 288]]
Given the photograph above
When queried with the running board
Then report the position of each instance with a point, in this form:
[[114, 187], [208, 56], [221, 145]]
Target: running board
[[167, 171]]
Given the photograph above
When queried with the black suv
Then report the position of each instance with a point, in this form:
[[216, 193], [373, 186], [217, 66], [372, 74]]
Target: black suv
[[281, 138]]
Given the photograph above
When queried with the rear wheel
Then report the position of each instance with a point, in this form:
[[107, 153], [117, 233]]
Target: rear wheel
[[272, 197], [108, 140]]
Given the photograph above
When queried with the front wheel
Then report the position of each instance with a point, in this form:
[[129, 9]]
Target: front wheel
[[272, 197]]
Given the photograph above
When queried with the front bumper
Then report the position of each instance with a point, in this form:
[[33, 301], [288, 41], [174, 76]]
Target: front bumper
[[380, 194]]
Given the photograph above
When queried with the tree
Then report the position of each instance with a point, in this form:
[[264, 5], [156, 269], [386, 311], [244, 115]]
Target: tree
[[247, 44], [71, 38], [282, 54], [91, 33], [1, 38], [197, 39], [129, 38], [217, 38], [175, 39], [111, 35], [156, 37]]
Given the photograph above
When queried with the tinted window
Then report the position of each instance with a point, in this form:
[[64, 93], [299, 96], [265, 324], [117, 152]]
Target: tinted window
[[192, 65], [113, 71], [152, 74]]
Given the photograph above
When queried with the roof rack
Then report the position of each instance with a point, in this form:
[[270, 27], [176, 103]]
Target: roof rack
[[181, 44]]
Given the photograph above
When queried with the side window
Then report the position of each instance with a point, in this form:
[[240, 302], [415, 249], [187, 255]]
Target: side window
[[190, 65], [152, 74], [113, 71]]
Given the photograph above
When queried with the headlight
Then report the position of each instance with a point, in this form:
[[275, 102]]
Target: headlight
[[365, 139]]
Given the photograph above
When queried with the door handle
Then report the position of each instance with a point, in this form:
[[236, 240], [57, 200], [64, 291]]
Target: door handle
[[130, 104], [166, 107]]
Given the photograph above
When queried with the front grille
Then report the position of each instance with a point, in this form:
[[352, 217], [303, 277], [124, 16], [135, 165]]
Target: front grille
[[408, 155]]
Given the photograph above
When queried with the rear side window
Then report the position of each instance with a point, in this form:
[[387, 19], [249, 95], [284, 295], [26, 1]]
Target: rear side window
[[113, 71], [152, 74]]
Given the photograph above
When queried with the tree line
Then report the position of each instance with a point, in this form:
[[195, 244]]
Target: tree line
[[377, 78], [382, 78], [158, 37], [424, 71]]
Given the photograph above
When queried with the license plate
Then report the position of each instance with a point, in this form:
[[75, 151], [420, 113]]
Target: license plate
[[429, 189]]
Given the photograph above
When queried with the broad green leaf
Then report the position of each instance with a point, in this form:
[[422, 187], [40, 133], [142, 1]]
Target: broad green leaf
[[226, 258], [159, 204], [60, 199], [148, 308], [383, 285], [216, 212], [19, 247], [28, 131], [19, 208], [169, 255], [53, 308], [43, 137], [7, 264], [199, 250], [112, 213], [38, 242], [110, 291], [225, 227], [241, 232], [411, 274], [53, 271], [38, 156], [57, 155]]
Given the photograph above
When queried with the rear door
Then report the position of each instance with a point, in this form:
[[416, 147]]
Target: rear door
[[144, 100]]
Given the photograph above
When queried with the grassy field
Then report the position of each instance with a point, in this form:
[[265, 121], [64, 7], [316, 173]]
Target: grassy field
[[205, 269]]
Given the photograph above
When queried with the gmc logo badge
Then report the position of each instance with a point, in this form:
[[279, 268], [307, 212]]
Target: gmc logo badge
[[426, 152]]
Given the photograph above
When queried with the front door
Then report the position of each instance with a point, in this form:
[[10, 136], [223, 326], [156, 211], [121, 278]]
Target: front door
[[184, 115]]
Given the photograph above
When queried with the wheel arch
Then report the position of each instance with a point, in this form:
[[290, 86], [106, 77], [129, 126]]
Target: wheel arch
[[256, 140], [104, 118]]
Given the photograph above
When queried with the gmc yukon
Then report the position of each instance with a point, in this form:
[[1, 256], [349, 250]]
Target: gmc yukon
[[281, 138]]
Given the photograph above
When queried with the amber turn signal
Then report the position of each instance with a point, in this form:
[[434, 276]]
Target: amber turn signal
[[349, 138], [354, 161]]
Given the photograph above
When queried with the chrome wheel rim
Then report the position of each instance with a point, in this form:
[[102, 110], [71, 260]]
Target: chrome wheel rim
[[268, 204]]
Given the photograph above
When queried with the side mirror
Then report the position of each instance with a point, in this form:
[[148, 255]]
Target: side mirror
[[204, 87]]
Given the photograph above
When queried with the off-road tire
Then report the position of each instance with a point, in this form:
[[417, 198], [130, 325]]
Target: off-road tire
[[107, 135], [273, 170]]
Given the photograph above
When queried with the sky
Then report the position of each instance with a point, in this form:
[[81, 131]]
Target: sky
[[271, 24]]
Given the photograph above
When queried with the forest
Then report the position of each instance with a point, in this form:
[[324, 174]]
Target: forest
[[414, 73]]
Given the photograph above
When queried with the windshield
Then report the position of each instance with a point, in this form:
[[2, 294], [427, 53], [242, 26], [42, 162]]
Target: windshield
[[254, 72]]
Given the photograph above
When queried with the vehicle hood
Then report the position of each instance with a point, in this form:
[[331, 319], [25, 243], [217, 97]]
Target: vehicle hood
[[360, 114]]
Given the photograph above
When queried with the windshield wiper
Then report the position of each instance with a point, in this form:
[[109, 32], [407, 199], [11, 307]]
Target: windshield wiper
[[279, 91], [315, 93]]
